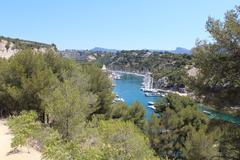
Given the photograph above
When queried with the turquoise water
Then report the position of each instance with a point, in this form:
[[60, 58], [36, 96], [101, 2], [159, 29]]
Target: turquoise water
[[219, 115], [128, 88]]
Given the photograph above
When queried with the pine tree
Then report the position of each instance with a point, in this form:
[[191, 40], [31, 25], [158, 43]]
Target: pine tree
[[218, 78]]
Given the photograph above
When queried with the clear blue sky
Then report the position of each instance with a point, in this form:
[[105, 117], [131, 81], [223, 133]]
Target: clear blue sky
[[118, 24]]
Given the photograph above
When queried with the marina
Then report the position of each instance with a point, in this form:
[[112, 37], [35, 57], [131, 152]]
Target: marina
[[146, 85], [128, 88]]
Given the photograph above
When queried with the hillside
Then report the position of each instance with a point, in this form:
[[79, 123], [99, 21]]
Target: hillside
[[78, 55], [167, 68], [178, 50], [10, 46]]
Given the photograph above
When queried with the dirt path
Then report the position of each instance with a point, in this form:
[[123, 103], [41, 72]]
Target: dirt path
[[6, 150]]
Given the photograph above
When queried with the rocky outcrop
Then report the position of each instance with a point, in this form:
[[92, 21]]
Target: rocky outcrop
[[162, 83], [91, 58], [7, 49], [192, 72], [9, 46]]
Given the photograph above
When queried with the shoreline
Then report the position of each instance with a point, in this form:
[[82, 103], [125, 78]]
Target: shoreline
[[143, 75], [215, 114], [125, 72]]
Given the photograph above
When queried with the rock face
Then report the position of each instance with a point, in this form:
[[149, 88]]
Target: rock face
[[7, 49], [9, 46], [162, 83], [192, 72], [91, 58]]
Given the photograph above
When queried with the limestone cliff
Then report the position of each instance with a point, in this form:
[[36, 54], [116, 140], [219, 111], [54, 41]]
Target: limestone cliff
[[10, 46]]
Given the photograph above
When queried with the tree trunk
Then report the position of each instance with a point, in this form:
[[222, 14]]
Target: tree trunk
[[1, 112]]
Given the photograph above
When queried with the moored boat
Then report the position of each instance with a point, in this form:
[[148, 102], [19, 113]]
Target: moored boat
[[117, 99], [207, 112], [151, 103], [153, 94], [152, 107]]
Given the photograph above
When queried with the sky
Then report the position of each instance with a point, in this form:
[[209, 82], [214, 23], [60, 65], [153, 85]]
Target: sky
[[115, 24]]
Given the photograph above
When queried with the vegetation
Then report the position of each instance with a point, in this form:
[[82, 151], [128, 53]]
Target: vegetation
[[24, 128], [67, 106], [180, 133], [28, 78], [218, 80], [80, 121], [102, 140], [135, 113], [229, 143]]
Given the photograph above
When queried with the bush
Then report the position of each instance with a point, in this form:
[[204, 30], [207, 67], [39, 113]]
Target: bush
[[24, 128]]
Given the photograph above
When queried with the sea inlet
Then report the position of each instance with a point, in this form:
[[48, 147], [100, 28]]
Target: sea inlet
[[128, 88]]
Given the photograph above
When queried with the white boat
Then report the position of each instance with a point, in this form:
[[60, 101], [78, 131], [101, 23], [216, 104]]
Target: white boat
[[147, 90], [151, 103], [117, 99], [152, 107], [116, 76], [150, 90], [152, 94], [122, 100], [207, 112], [163, 95]]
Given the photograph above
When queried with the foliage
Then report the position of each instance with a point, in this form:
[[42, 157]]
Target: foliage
[[108, 140], [218, 62], [153, 130], [125, 140], [200, 146], [24, 128], [28, 77], [179, 126], [134, 113], [100, 85], [229, 142], [24, 77], [118, 110], [68, 107]]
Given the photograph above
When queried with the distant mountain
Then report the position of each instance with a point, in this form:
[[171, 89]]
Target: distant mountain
[[180, 50], [99, 49]]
